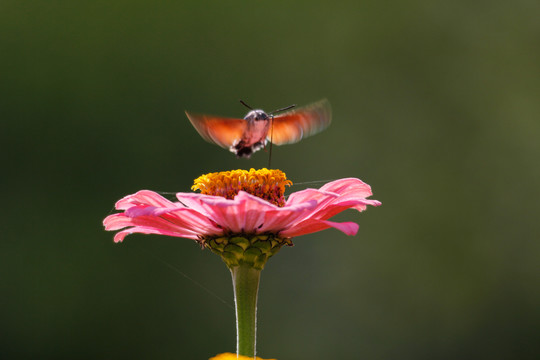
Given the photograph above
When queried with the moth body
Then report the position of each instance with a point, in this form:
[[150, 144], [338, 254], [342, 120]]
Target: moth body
[[255, 135]]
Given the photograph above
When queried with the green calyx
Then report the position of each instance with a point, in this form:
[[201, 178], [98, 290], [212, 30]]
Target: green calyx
[[252, 250]]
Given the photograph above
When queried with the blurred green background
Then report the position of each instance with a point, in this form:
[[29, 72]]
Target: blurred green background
[[436, 105]]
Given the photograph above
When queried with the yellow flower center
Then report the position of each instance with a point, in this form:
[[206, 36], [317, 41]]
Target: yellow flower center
[[266, 184]]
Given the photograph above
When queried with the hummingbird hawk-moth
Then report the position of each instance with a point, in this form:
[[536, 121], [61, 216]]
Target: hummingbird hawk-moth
[[245, 136]]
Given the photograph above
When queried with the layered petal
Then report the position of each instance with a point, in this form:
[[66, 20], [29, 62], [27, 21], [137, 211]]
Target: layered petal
[[348, 187], [149, 213], [196, 216], [351, 189], [119, 237], [314, 225], [248, 214], [334, 197], [243, 214], [145, 198]]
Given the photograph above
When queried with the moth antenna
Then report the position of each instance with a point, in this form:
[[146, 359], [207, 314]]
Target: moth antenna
[[246, 105], [283, 109]]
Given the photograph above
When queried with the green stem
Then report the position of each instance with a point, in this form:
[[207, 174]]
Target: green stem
[[246, 286]]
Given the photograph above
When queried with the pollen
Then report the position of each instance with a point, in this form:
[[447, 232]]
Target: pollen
[[266, 184]]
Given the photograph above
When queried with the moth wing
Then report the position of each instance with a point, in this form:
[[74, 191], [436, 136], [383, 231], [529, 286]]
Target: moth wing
[[218, 130], [294, 125]]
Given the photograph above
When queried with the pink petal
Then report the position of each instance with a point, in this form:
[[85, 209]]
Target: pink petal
[[116, 221], [341, 205], [193, 220], [119, 237], [348, 187], [247, 213], [193, 200], [299, 197], [179, 215], [314, 225], [180, 220], [349, 228], [336, 197], [143, 197], [283, 218], [243, 214]]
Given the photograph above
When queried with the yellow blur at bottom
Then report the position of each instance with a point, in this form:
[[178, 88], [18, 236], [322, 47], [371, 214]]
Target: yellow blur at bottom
[[231, 356]]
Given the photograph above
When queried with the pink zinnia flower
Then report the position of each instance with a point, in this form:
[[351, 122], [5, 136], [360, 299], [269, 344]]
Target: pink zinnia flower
[[244, 217], [241, 202]]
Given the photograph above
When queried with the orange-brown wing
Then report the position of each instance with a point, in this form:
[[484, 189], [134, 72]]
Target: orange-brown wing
[[221, 131], [292, 126]]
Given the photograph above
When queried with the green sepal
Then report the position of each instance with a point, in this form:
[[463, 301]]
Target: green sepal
[[253, 251]]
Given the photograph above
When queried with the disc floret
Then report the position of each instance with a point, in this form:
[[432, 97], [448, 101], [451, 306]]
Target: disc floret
[[263, 183]]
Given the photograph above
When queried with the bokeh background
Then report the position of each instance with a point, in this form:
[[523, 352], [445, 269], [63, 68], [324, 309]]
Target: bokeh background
[[436, 104]]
